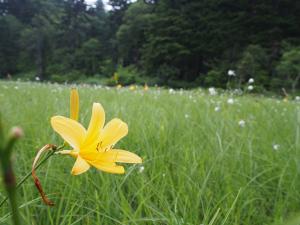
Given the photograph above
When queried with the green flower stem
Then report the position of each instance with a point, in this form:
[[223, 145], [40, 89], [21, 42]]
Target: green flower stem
[[10, 186], [9, 179], [29, 173]]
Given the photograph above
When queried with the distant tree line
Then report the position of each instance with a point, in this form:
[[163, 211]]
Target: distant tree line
[[179, 43]]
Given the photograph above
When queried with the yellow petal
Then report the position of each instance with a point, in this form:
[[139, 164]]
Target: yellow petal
[[108, 167], [95, 126], [80, 166], [70, 130], [122, 156], [74, 104], [113, 132], [89, 154]]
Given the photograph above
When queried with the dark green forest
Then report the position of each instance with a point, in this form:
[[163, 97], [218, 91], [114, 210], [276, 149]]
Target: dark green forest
[[178, 43]]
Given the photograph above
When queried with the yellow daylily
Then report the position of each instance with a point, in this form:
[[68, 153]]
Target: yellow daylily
[[132, 87], [94, 146], [74, 104], [146, 87]]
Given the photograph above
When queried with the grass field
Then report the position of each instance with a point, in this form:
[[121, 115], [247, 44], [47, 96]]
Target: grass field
[[201, 166]]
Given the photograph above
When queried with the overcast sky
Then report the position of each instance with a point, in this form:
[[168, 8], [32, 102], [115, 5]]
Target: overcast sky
[[91, 2]]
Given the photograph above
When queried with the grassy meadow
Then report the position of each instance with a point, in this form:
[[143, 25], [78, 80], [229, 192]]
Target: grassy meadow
[[202, 164]]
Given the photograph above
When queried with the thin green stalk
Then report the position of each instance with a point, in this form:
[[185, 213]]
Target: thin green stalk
[[9, 178]]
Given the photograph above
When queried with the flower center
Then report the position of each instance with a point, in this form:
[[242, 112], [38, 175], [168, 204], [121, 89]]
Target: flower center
[[99, 147]]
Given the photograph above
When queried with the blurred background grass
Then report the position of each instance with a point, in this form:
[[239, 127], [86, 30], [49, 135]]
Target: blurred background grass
[[200, 166]]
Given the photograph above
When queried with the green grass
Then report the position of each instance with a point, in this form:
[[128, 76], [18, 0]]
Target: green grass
[[200, 166]]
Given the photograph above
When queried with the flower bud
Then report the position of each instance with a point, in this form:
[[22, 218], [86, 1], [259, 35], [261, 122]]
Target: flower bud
[[17, 132]]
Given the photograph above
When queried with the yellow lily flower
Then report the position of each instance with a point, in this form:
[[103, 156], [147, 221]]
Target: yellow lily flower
[[146, 87], [74, 104], [132, 87], [93, 147]]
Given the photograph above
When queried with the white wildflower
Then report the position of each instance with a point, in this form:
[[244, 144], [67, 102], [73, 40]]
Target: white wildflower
[[242, 123], [141, 169], [230, 101], [231, 73], [171, 91], [250, 87], [217, 108], [276, 147], [212, 91], [238, 91], [251, 81]]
